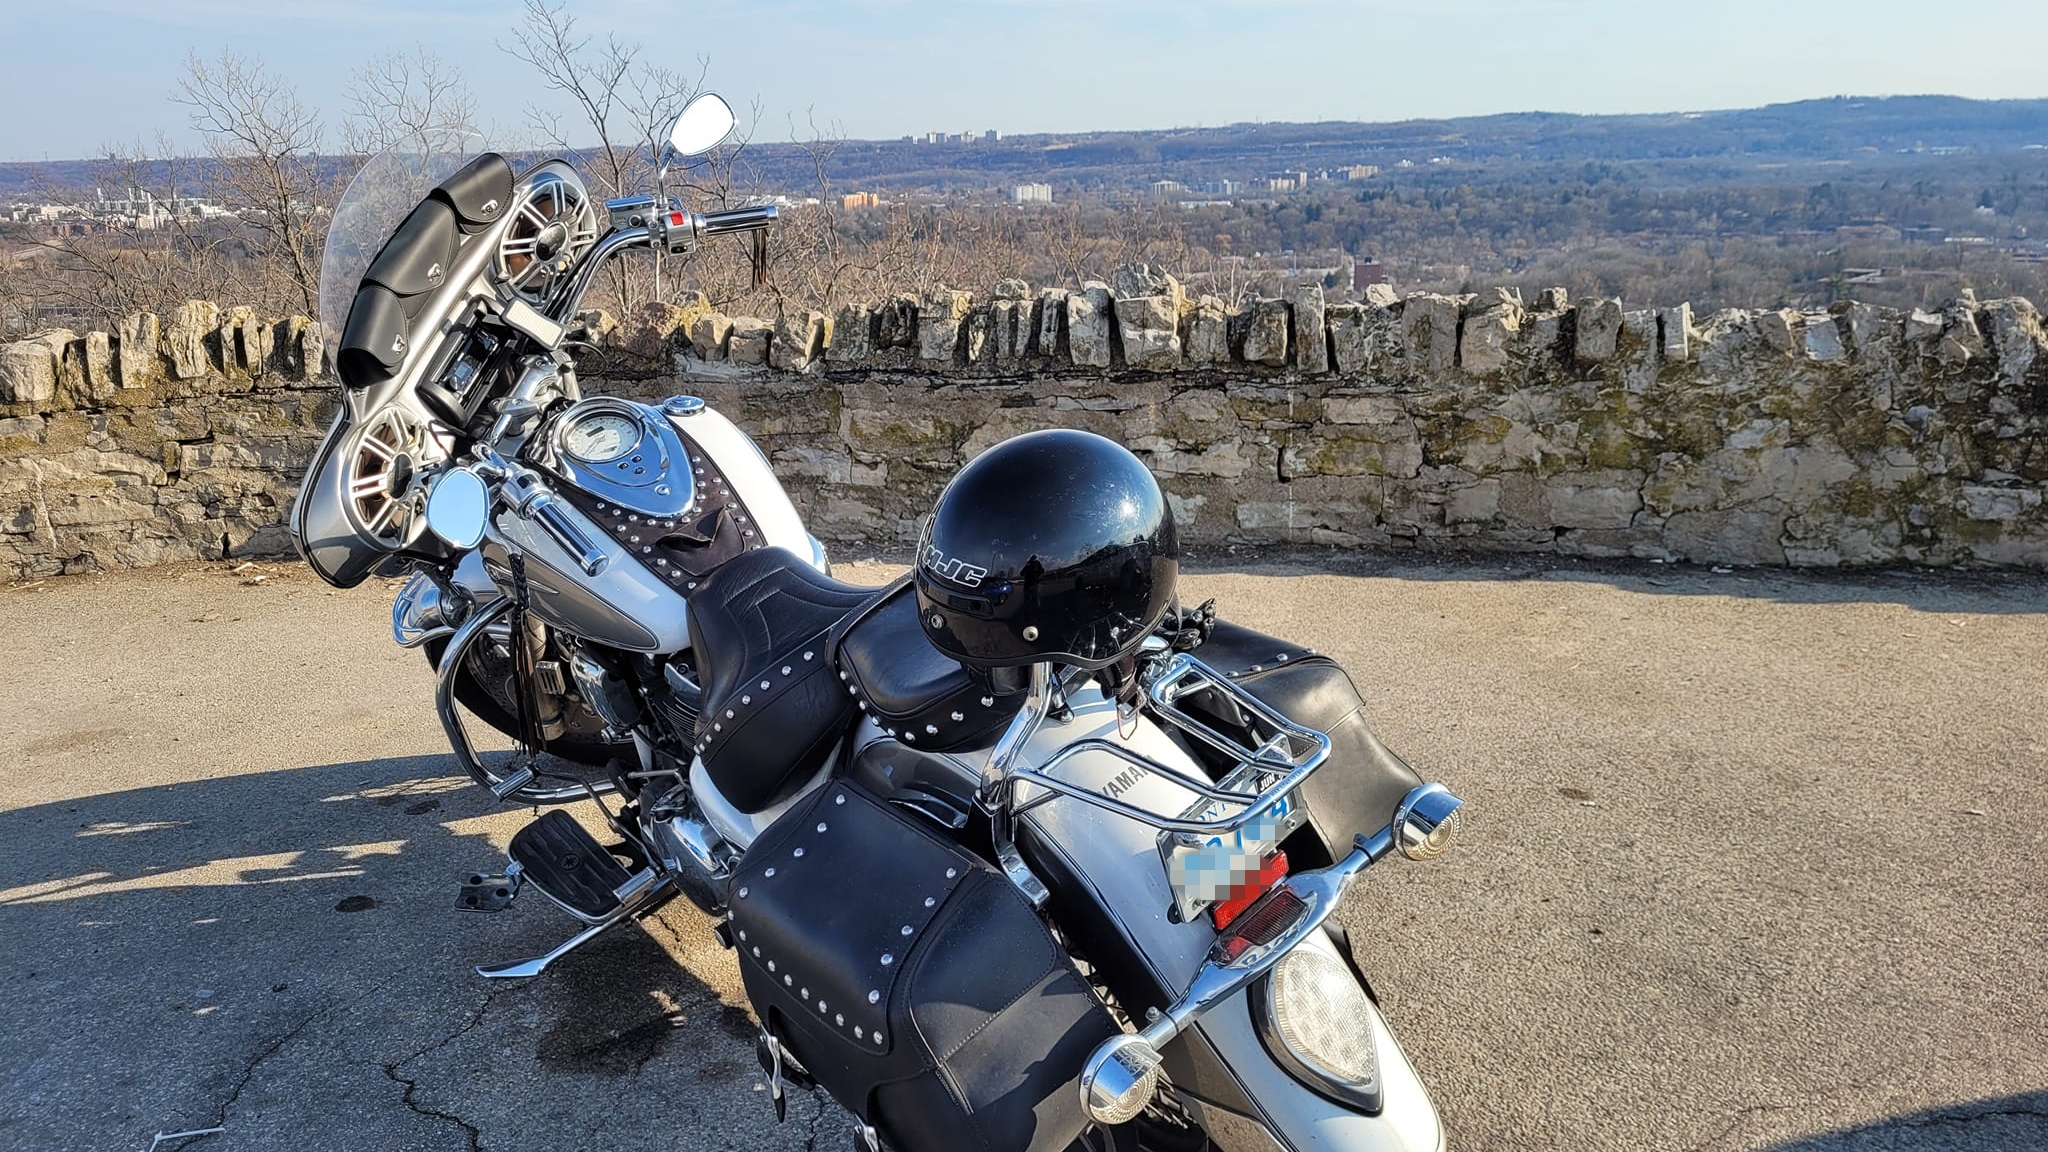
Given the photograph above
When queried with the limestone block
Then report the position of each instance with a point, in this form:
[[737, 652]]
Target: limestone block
[[799, 339], [1961, 339], [1871, 327], [1491, 324], [1011, 289], [1150, 329], [88, 370], [1824, 340], [1599, 331], [1429, 330], [1394, 451], [1679, 333], [599, 326], [1780, 328], [2018, 336], [185, 338], [1133, 280], [650, 332], [709, 335], [1265, 335], [940, 316], [1552, 300], [1010, 327], [1207, 336], [1311, 332], [244, 341], [28, 372], [896, 322], [749, 341], [311, 352], [1051, 340], [1922, 325], [1986, 503], [975, 335], [1477, 503], [140, 364], [1608, 499], [1381, 296], [853, 335], [1364, 410], [1088, 320]]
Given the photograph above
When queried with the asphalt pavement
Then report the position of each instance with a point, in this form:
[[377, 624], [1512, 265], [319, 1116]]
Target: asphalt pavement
[[1754, 861]]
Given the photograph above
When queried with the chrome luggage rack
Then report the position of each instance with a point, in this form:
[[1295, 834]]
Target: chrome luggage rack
[[1263, 776]]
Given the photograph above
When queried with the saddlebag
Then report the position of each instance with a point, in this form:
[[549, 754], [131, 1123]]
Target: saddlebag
[[912, 980], [1358, 787]]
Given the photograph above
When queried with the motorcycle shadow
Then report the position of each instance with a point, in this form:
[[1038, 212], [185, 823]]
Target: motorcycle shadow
[[2005, 1122], [231, 932]]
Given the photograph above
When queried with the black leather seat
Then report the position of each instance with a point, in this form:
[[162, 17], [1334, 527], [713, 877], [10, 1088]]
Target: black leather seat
[[763, 626], [917, 693]]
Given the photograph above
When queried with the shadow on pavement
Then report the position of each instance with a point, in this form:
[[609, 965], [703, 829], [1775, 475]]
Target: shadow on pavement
[[190, 955], [2006, 1122], [1990, 591]]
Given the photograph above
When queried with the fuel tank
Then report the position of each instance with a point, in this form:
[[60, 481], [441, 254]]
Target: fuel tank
[[636, 600]]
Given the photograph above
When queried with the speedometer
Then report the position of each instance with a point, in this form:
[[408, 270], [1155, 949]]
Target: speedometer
[[601, 437]]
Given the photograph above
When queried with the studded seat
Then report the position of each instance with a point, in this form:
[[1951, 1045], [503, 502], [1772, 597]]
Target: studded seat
[[763, 627], [917, 693]]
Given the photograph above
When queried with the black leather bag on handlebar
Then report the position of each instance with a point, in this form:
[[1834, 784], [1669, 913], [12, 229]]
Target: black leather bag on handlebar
[[1358, 787], [912, 980]]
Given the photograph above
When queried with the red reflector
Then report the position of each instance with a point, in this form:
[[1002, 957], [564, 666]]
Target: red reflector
[[1267, 920], [1231, 907], [675, 219]]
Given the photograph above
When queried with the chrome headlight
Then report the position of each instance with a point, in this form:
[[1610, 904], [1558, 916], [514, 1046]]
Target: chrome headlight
[[1120, 1079], [1317, 1023]]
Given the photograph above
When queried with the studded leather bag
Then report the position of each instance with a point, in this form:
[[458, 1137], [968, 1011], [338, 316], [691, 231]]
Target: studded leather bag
[[911, 980]]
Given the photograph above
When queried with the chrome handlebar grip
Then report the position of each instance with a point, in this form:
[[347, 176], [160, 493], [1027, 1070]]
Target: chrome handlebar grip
[[737, 220], [546, 510]]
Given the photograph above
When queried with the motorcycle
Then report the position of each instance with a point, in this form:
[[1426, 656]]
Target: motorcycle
[[1065, 904]]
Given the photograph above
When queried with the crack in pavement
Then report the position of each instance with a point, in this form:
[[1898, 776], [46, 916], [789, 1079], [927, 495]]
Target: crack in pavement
[[220, 1117], [411, 1086]]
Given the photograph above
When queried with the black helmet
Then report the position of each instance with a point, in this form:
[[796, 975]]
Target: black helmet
[[1050, 546]]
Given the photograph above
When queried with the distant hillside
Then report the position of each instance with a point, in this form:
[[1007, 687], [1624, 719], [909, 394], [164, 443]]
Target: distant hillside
[[1810, 130]]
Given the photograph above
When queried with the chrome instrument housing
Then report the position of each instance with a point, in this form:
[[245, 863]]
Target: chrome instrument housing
[[650, 477]]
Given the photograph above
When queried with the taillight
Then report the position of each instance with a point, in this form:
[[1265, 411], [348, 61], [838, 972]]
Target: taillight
[[1241, 897], [1265, 921]]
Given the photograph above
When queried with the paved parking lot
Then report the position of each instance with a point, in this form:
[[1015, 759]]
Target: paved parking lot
[[1755, 861]]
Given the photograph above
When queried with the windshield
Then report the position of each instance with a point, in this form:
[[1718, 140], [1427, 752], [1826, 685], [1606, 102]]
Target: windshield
[[376, 202]]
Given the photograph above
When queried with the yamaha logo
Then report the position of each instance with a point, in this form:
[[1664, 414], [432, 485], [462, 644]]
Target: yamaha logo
[[398, 343], [958, 571], [434, 274]]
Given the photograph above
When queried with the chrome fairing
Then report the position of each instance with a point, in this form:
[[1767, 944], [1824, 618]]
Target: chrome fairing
[[624, 605], [321, 525]]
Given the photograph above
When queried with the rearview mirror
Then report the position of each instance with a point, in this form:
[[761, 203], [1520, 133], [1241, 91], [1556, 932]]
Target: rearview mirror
[[704, 125], [458, 508]]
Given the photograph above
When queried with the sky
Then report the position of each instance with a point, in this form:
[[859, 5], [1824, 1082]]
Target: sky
[[100, 73]]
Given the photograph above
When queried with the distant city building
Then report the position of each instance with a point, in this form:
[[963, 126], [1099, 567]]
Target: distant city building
[[1218, 187], [1166, 187], [992, 136], [860, 200], [1360, 171], [1366, 273], [1032, 194], [1924, 234]]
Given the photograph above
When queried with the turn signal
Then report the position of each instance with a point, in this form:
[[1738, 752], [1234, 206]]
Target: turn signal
[[1426, 822], [1119, 1079]]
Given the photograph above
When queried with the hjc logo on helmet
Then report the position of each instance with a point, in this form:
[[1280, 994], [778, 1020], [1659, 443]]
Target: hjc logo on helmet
[[958, 571]]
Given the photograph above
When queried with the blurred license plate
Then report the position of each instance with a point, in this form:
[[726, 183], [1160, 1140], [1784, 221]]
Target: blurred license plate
[[1205, 870]]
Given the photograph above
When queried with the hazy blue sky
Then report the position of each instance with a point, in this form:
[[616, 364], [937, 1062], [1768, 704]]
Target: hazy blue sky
[[87, 73]]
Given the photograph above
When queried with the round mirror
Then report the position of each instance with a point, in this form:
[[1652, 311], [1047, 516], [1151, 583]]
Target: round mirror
[[458, 507], [704, 125]]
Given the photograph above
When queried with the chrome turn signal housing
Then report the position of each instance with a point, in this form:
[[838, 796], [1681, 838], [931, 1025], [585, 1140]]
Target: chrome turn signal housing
[[1119, 1079], [1426, 822]]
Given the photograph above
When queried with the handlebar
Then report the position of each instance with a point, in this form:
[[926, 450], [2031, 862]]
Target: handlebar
[[528, 495], [737, 220]]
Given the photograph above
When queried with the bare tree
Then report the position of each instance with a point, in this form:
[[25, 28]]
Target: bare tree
[[264, 142], [398, 98]]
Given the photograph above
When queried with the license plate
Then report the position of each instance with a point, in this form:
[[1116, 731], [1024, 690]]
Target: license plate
[[1206, 869]]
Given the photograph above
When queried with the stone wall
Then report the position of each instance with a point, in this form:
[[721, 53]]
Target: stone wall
[[1856, 436]]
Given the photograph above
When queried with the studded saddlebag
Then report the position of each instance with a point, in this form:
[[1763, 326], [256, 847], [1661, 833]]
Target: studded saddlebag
[[912, 980], [1358, 787]]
